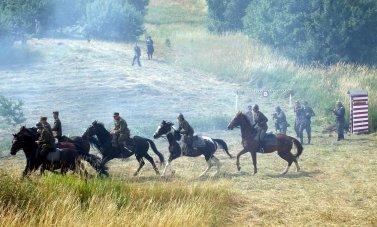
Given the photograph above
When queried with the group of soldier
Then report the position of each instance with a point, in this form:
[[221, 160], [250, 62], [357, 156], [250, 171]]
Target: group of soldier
[[303, 119], [137, 51], [121, 134]]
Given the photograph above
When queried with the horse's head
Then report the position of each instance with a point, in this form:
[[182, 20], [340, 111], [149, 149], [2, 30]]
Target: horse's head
[[237, 121], [163, 129], [24, 138]]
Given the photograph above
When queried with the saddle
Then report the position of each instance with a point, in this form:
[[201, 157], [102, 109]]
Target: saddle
[[268, 140], [54, 156], [198, 141]]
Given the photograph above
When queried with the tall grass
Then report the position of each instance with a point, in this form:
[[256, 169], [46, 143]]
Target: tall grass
[[69, 201], [236, 58]]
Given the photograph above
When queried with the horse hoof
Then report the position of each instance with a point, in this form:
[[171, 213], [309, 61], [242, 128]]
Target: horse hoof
[[238, 168]]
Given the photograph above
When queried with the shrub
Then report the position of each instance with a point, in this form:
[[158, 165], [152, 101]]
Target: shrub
[[11, 111], [113, 19], [226, 15], [316, 31]]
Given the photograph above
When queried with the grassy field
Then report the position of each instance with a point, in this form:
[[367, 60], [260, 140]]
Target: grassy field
[[199, 76], [234, 57]]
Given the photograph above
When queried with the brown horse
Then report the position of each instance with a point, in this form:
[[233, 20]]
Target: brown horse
[[281, 143]]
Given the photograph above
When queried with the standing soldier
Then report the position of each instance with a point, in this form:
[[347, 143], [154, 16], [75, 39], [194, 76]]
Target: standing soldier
[[121, 133], [308, 113], [339, 112], [281, 123], [137, 55], [46, 141], [150, 47], [260, 121], [188, 132], [57, 128], [299, 121]]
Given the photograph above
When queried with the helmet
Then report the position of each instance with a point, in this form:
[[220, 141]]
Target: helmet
[[278, 109], [256, 107], [181, 117]]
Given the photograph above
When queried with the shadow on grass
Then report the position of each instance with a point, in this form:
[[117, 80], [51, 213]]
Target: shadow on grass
[[301, 174]]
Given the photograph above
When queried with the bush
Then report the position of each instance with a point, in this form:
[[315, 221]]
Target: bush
[[226, 15], [18, 16], [113, 19], [11, 111], [316, 31]]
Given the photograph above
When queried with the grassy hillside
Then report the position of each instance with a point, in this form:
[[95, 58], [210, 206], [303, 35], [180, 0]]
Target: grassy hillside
[[234, 57]]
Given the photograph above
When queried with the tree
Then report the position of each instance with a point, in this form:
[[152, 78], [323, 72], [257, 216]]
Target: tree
[[11, 111], [322, 31]]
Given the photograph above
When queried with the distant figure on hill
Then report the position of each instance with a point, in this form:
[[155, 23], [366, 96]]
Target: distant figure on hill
[[308, 113], [37, 28], [339, 113], [150, 47], [299, 121], [137, 54]]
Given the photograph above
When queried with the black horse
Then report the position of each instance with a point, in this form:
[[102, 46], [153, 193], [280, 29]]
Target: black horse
[[104, 145], [69, 159], [208, 149]]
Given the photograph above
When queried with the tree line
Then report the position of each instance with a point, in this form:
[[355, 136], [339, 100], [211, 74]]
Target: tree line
[[105, 19], [319, 31]]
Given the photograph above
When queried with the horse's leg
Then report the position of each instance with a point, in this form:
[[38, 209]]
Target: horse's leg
[[254, 158], [150, 159], [297, 166], [103, 168], [27, 169], [209, 166], [238, 158], [141, 164], [287, 157], [218, 164]]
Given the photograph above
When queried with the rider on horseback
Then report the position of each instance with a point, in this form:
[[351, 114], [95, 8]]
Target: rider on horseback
[[46, 142], [260, 121], [187, 131], [121, 133], [57, 127]]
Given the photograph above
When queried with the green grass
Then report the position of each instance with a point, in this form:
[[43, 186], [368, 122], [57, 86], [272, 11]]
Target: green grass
[[236, 58], [68, 200]]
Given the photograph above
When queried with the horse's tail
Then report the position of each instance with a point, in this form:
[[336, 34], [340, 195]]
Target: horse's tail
[[221, 143], [154, 148], [299, 147]]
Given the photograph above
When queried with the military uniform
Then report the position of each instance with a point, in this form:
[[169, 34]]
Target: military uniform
[[137, 55], [281, 123], [188, 132], [299, 122], [57, 129], [121, 133], [308, 114], [339, 112], [46, 141], [150, 47], [260, 120]]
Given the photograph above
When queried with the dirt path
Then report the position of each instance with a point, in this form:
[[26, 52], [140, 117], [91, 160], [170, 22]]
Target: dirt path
[[89, 81]]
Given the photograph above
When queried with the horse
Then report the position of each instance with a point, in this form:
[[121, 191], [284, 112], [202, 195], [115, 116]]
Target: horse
[[281, 143], [208, 149], [69, 159], [140, 150]]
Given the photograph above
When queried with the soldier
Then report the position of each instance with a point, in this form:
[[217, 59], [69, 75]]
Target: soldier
[[299, 121], [281, 123], [43, 121], [339, 112], [46, 142], [121, 133], [150, 47], [260, 121], [57, 128], [187, 131], [308, 113], [249, 114], [137, 55]]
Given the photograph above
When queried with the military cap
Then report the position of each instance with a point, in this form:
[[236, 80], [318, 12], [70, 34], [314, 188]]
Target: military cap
[[55, 112], [116, 114], [43, 119]]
